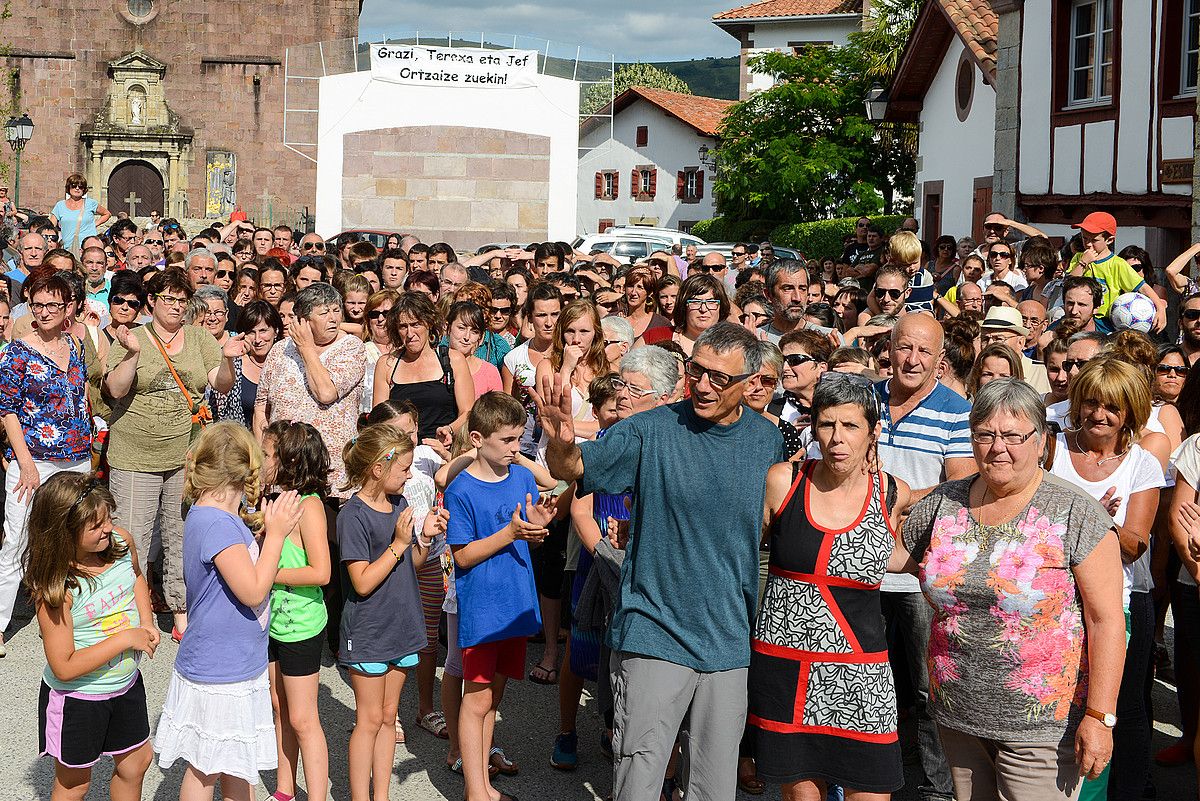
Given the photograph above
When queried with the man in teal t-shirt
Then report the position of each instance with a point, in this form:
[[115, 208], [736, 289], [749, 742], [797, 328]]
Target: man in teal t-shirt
[[680, 631]]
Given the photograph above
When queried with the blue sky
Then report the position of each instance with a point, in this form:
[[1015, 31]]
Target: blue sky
[[634, 30]]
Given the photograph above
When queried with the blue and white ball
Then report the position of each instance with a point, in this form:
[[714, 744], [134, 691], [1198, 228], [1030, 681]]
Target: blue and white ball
[[1133, 310]]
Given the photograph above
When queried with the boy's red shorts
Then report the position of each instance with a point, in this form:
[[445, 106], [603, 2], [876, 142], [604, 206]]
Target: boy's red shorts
[[481, 663]]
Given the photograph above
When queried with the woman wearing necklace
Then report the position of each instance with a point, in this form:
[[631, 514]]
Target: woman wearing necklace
[[1016, 563], [43, 402], [1106, 453], [157, 375]]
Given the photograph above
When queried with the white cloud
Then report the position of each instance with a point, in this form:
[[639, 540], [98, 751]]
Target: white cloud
[[634, 30]]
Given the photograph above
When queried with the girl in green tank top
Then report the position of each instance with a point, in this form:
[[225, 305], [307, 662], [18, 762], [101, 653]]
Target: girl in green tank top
[[295, 458]]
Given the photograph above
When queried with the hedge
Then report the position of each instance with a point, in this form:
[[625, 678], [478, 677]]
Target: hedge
[[815, 239]]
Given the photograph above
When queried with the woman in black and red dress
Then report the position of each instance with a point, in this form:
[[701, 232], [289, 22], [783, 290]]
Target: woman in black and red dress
[[822, 701]]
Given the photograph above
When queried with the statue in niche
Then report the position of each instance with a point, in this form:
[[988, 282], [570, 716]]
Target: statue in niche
[[137, 106]]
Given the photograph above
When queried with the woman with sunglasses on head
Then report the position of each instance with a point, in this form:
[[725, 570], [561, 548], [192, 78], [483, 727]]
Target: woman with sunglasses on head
[[77, 215], [43, 403], [641, 292], [702, 304], [154, 418]]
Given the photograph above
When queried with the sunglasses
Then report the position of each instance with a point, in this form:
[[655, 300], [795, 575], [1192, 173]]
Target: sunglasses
[[999, 254], [313, 246], [797, 359], [377, 314], [719, 380], [500, 311], [1178, 369], [768, 381], [153, 242], [1070, 365], [132, 303], [657, 263], [894, 294], [224, 273], [1191, 315], [50, 237]]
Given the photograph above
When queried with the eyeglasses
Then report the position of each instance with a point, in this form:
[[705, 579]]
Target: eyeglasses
[[1009, 438], [49, 237], [633, 389], [998, 336], [861, 225], [1071, 365], [1000, 254], [894, 294], [719, 380], [50, 307], [758, 317], [313, 246], [660, 263], [270, 286], [767, 381], [500, 311], [608, 343], [1178, 369], [171, 300], [377, 314], [153, 242], [797, 359], [224, 273], [216, 314], [712, 304], [739, 253], [1191, 315], [132, 303]]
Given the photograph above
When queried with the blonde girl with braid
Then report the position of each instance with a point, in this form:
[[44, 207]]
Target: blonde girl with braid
[[217, 715], [383, 625]]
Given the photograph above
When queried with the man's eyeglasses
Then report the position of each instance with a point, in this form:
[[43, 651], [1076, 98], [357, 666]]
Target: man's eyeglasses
[[767, 381], [132, 303], [153, 242], [318, 246], [49, 237], [1191, 315], [758, 317], [500, 311], [1180, 370], [224, 273], [738, 253], [695, 371], [894, 294], [1009, 438], [633, 389], [712, 304], [1000, 254], [1071, 365]]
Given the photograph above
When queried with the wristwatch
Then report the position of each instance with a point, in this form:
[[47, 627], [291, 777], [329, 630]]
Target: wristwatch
[[1107, 718]]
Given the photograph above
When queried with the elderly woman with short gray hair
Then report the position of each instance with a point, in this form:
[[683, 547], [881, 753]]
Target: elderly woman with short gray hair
[[1019, 564], [648, 378], [211, 305], [315, 375]]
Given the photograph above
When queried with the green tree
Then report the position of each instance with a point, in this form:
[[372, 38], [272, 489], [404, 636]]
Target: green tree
[[647, 75], [801, 150], [884, 36]]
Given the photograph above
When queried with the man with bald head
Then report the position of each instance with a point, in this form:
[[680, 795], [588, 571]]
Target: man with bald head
[[138, 257], [970, 297], [715, 265], [925, 441]]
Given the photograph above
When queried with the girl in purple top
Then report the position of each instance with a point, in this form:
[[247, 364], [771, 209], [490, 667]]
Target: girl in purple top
[[217, 715]]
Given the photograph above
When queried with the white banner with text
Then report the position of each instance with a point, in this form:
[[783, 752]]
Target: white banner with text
[[454, 66]]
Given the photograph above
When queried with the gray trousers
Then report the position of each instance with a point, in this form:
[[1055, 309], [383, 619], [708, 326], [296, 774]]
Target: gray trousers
[[150, 504], [651, 699]]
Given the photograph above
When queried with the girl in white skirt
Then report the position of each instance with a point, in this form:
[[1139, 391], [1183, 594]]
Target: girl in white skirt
[[217, 715]]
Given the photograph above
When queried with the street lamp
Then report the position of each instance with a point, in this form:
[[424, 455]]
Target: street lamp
[[876, 103], [707, 157], [18, 131]]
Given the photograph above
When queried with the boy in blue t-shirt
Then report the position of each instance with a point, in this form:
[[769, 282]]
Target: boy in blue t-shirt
[[493, 576]]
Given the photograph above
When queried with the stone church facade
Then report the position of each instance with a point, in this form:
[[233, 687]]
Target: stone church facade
[[167, 105]]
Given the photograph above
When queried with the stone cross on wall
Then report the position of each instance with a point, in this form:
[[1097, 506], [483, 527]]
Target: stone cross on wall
[[266, 206], [133, 200]]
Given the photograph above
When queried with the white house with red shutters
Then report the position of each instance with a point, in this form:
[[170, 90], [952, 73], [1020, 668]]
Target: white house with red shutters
[[645, 169]]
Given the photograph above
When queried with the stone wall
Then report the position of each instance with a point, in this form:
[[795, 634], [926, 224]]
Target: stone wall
[[224, 81], [465, 186]]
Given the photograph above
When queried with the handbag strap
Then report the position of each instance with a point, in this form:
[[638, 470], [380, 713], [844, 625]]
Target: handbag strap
[[171, 366]]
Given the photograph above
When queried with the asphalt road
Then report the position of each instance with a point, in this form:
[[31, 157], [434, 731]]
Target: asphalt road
[[526, 730]]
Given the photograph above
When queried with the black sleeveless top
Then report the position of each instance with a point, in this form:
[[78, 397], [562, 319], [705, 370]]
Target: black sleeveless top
[[434, 400]]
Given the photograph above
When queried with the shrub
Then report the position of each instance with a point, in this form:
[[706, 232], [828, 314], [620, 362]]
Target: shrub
[[726, 229], [822, 238]]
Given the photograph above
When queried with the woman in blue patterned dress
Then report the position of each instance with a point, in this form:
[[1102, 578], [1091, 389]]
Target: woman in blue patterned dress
[[43, 402], [822, 704]]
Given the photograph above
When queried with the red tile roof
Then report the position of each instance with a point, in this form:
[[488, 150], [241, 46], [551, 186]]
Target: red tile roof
[[978, 26], [702, 113], [790, 8]]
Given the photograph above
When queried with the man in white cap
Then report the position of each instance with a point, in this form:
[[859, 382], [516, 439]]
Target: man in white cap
[[1004, 325]]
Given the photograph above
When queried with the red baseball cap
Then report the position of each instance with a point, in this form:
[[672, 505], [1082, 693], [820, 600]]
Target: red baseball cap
[[1098, 222]]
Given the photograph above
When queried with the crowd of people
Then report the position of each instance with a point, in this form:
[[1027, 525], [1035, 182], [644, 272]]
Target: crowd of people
[[774, 507]]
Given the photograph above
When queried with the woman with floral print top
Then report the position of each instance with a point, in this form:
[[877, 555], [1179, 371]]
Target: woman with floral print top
[[43, 402], [1019, 566]]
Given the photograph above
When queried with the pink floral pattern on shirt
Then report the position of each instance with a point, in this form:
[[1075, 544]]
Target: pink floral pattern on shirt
[[282, 387], [1008, 634]]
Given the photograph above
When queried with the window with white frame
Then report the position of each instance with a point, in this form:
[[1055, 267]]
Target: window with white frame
[[645, 176], [610, 185], [1092, 39], [1190, 60]]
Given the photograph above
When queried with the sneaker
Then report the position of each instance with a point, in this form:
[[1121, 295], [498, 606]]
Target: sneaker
[[565, 748]]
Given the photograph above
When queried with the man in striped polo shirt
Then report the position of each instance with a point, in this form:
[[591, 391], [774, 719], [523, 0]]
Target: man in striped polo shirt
[[925, 440]]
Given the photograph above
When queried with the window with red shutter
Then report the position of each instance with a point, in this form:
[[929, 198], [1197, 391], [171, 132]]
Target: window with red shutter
[[653, 182], [605, 224], [680, 181], [616, 178], [643, 135], [599, 184], [699, 184], [635, 183]]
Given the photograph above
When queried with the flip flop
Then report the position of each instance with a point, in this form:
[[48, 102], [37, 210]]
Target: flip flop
[[498, 760], [435, 724], [399, 732], [547, 676], [457, 768]]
